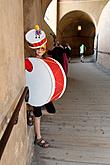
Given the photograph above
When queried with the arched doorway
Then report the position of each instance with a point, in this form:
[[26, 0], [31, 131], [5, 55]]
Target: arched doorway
[[68, 31]]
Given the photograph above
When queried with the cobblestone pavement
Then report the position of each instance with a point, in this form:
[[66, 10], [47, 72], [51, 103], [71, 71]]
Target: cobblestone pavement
[[79, 133]]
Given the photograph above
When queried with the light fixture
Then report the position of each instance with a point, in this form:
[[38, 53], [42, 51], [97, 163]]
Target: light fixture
[[79, 27]]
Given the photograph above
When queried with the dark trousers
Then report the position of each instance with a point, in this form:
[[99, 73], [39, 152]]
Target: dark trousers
[[38, 110]]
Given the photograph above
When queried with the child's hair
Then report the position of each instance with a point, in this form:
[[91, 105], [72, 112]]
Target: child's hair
[[45, 55]]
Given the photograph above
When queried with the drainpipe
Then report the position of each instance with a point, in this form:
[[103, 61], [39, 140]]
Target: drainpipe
[[97, 46]]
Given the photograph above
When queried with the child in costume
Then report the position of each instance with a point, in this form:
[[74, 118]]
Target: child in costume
[[36, 39]]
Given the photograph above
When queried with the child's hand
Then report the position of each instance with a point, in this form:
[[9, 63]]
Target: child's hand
[[27, 96]]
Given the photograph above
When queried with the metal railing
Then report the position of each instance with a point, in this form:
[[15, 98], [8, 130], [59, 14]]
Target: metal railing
[[12, 122]]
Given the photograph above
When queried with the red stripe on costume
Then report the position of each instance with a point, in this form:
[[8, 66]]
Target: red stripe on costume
[[59, 77], [38, 43], [28, 65]]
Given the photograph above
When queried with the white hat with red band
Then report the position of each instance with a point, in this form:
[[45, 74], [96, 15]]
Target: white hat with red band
[[36, 38]]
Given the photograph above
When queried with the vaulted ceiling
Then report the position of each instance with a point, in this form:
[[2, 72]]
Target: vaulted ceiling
[[74, 19]]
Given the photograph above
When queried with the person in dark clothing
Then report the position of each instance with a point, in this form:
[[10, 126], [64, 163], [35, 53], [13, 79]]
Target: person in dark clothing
[[57, 53]]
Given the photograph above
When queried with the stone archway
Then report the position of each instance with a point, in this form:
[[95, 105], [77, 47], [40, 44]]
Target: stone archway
[[68, 31]]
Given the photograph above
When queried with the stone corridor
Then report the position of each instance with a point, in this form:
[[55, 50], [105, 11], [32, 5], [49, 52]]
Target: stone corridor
[[79, 133]]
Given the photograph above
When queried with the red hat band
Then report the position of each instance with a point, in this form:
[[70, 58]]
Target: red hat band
[[39, 44]]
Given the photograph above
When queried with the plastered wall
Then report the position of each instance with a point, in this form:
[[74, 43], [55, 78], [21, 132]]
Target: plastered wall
[[12, 79], [32, 15], [104, 37]]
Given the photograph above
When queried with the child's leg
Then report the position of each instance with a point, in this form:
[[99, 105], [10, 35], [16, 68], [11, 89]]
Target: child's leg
[[37, 127], [37, 113]]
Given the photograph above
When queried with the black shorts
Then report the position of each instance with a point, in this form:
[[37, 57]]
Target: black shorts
[[37, 111]]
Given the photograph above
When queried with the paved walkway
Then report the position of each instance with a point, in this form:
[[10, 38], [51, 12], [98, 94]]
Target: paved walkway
[[79, 132]]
